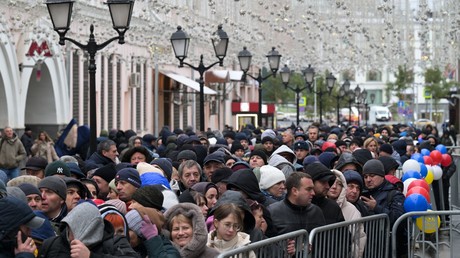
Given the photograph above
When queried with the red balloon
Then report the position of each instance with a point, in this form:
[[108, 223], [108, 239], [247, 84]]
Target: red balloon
[[446, 160], [419, 190], [428, 160], [420, 183], [436, 156]]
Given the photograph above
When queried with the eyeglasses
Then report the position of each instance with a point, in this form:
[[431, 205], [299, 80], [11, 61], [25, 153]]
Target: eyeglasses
[[228, 226]]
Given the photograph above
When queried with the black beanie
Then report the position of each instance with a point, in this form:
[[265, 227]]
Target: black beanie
[[387, 148], [149, 196], [259, 153], [107, 172]]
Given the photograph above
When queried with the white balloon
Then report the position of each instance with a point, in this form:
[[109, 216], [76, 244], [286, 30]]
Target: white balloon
[[411, 164], [407, 183], [437, 172]]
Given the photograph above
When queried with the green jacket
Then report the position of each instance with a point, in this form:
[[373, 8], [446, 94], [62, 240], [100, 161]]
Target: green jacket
[[160, 247]]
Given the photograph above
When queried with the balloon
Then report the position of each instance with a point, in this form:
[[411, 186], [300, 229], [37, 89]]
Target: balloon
[[415, 202], [437, 172], [417, 156], [411, 174], [427, 160], [429, 177], [419, 183], [428, 224], [446, 160], [436, 156], [419, 190], [407, 183], [425, 152], [411, 164], [441, 148], [423, 169]]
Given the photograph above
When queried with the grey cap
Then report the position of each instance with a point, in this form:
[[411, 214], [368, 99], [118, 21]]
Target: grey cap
[[55, 184], [374, 166]]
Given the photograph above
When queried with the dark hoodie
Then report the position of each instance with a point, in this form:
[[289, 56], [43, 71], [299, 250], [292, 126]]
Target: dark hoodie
[[246, 181], [347, 158]]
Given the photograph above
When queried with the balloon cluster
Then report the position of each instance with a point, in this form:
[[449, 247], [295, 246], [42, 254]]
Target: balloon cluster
[[418, 174]]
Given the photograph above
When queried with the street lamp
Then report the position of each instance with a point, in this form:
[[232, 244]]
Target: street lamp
[[285, 73], [351, 99], [180, 42], [309, 75], [61, 14], [364, 101], [244, 58], [338, 97]]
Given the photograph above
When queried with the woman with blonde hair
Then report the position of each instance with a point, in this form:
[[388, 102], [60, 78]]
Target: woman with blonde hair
[[44, 147], [371, 144]]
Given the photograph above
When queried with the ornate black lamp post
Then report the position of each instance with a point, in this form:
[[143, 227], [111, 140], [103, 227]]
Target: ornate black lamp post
[[338, 97], [309, 74], [61, 13], [351, 99], [285, 73], [244, 58], [180, 42]]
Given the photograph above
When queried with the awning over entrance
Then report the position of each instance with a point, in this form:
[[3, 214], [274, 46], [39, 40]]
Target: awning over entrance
[[222, 76], [189, 83]]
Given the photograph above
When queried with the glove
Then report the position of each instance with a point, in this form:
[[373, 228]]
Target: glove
[[148, 229]]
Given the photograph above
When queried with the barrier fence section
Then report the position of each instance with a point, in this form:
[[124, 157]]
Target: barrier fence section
[[428, 236], [455, 181], [272, 247], [365, 237]]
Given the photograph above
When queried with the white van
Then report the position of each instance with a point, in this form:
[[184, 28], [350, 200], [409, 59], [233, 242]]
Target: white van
[[379, 114]]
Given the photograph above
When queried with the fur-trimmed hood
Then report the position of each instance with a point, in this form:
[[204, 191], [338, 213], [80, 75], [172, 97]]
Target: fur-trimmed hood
[[197, 246]]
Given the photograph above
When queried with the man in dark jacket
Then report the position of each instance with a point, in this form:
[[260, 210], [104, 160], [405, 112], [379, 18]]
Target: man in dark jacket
[[323, 178], [106, 153], [296, 211], [16, 219], [93, 237]]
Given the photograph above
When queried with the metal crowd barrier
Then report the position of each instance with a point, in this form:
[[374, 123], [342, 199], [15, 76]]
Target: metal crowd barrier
[[274, 247], [346, 239], [455, 181], [427, 236]]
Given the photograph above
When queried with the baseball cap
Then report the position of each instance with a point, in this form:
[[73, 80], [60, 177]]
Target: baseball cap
[[57, 167], [301, 145]]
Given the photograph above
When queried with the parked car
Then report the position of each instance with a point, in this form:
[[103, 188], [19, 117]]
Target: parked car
[[421, 123]]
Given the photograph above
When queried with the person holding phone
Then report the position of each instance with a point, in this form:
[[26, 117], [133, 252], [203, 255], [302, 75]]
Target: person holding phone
[[16, 220]]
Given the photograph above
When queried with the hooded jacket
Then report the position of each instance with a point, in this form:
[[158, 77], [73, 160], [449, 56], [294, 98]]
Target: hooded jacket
[[350, 212], [246, 181], [281, 162], [12, 152], [96, 233], [347, 158], [197, 245]]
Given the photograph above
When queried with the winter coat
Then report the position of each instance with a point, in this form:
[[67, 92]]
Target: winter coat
[[197, 245], [12, 152], [92, 230], [350, 212], [246, 181], [160, 247], [241, 239], [288, 217], [97, 160], [45, 150], [331, 210], [281, 162], [393, 208]]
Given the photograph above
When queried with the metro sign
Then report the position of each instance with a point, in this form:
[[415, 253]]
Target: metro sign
[[39, 50]]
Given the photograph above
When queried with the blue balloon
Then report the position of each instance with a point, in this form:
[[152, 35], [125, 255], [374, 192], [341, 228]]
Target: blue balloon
[[423, 170], [418, 157], [425, 152], [411, 174], [441, 148], [415, 202]]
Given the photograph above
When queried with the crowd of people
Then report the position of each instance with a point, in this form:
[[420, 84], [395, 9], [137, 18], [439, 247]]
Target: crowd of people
[[197, 194]]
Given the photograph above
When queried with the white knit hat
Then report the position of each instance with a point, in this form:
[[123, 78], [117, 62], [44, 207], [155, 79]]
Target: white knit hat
[[144, 167], [270, 176]]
